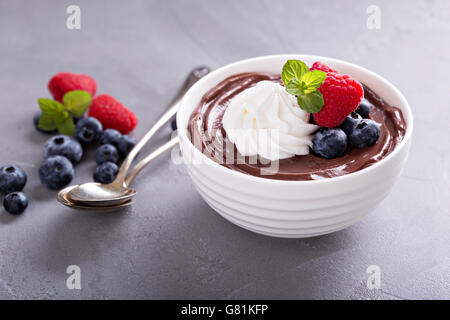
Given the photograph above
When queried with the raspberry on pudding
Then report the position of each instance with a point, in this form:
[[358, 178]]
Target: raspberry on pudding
[[316, 123]]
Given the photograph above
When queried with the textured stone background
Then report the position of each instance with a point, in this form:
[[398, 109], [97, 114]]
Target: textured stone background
[[170, 244]]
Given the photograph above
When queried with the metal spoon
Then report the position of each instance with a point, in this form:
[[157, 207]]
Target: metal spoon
[[119, 192], [62, 198]]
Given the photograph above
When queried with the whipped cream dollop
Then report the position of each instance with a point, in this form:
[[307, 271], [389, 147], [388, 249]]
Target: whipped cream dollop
[[266, 120]]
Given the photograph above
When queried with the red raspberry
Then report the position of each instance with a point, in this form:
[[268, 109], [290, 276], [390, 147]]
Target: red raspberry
[[64, 82], [112, 114], [322, 67], [342, 95]]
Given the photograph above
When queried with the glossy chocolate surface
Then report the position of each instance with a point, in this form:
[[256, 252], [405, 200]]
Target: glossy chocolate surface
[[207, 133]]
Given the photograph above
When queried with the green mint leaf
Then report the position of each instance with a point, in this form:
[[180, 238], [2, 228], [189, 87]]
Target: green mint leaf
[[66, 127], [294, 87], [46, 123], [55, 116], [293, 69], [303, 84], [311, 102], [52, 109], [312, 80], [77, 102]]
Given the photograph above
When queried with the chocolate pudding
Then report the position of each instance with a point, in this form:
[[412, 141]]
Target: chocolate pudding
[[206, 128]]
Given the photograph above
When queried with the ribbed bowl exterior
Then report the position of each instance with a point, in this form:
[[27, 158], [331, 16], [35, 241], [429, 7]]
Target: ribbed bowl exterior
[[291, 209]]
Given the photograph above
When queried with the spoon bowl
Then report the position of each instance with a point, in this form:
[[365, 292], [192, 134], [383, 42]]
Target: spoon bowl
[[97, 194], [64, 199]]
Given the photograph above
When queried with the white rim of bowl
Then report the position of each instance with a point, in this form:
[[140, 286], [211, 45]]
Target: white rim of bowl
[[409, 126]]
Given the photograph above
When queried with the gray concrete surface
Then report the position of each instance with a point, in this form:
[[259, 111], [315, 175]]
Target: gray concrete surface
[[170, 244]]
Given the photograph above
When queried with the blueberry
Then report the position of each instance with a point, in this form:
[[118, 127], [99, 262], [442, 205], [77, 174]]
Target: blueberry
[[15, 202], [12, 178], [106, 153], [88, 130], [173, 124], [365, 134], [350, 122], [330, 143], [62, 145], [106, 172], [126, 144], [36, 118], [111, 136], [364, 108], [56, 172]]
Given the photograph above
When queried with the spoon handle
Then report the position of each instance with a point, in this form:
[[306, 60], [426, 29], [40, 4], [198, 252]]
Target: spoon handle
[[193, 77], [144, 162]]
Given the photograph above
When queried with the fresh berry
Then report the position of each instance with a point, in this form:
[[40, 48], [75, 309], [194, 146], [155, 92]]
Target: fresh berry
[[36, 118], [330, 143], [322, 67], [56, 172], [126, 144], [63, 82], [15, 202], [12, 178], [112, 114], [62, 145], [106, 172], [88, 130], [173, 124], [364, 108], [342, 95], [111, 136], [350, 122], [106, 153], [365, 134]]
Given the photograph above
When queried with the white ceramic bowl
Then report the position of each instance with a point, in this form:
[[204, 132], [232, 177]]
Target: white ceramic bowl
[[292, 209]]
